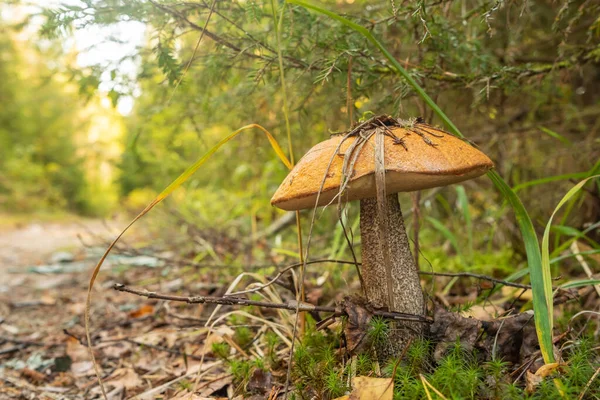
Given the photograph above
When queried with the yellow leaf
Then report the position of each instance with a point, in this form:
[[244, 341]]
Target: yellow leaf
[[547, 369], [367, 388]]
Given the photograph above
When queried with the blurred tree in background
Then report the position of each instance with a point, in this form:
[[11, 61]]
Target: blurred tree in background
[[521, 79], [47, 160]]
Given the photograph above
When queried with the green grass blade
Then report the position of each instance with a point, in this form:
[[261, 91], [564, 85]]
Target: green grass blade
[[549, 179], [541, 296], [546, 237], [565, 245], [576, 284], [555, 135], [541, 281], [582, 253]]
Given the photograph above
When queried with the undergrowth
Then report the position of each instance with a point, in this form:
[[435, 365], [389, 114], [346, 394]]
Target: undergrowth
[[322, 369]]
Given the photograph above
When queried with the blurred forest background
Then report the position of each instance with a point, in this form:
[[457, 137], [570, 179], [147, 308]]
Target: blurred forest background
[[103, 134]]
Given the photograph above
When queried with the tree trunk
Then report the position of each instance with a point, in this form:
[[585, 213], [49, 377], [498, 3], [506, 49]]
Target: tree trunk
[[406, 287]]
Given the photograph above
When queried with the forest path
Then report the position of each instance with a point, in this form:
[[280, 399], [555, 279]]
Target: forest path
[[33, 243]]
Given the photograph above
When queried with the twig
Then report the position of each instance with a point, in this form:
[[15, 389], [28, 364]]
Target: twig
[[587, 386], [477, 276], [584, 264], [290, 305]]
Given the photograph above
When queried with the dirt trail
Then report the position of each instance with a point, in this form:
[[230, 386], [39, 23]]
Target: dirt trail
[[33, 243]]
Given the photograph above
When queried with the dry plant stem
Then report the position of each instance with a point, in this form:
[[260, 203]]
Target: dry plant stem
[[405, 284], [382, 210], [292, 305], [416, 225]]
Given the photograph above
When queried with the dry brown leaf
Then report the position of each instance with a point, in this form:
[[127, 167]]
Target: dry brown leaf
[[532, 382], [159, 337], [215, 384], [513, 292], [76, 308], [260, 381], [117, 350], [146, 309], [484, 313], [82, 368], [76, 350], [367, 388], [187, 395], [33, 376], [125, 377]]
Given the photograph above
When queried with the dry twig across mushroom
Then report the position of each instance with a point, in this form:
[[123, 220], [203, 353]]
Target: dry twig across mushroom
[[372, 163]]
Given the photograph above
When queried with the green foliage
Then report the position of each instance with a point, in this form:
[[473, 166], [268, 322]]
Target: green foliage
[[316, 365], [241, 370], [45, 161], [243, 336], [378, 330], [221, 350]]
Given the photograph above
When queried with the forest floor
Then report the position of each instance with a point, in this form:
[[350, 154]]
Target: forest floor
[[143, 347], [150, 348], [44, 272]]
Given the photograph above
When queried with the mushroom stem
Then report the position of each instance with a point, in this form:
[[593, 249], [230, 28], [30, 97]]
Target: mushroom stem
[[407, 295]]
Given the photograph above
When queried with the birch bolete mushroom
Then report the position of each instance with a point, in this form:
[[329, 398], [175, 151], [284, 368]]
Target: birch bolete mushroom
[[407, 156]]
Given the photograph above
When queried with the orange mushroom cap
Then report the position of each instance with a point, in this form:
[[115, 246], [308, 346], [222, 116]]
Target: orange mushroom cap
[[418, 166]]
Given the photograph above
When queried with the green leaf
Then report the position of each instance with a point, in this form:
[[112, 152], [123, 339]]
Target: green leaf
[[555, 135], [546, 242], [548, 179], [583, 282], [583, 253]]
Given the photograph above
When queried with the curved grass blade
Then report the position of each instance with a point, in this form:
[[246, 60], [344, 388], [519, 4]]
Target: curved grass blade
[[582, 253], [548, 179], [580, 283], [166, 192], [541, 282], [546, 240], [540, 296]]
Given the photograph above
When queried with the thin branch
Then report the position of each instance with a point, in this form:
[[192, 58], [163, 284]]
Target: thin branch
[[290, 305], [476, 276], [209, 34]]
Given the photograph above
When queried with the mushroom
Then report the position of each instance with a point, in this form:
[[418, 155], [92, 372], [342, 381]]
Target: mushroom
[[415, 156]]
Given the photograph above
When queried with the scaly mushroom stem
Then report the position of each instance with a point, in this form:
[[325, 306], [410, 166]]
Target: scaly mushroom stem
[[406, 287]]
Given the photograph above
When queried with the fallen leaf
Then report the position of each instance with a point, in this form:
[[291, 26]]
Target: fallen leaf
[[216, 384], [76, 350], [367, 388], [513, 292], [125, 377], [82, 368], [117, 350], [484, 313], [146, 309], [358, 323], [532, 381], [33, 376], [260, 381], [547, 369], [448, 327]]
